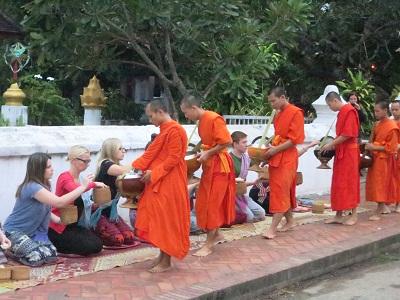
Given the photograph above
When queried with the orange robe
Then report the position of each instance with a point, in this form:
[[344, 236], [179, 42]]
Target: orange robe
[[215, 201], [289, 125], [345, 189], [398, 169], [381, 185], [163, 216]]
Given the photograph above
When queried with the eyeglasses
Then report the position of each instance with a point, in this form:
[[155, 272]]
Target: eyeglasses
[[122, 149], [85, 161]]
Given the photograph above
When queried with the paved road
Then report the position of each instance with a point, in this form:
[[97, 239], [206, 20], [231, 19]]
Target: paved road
[[375, 279]]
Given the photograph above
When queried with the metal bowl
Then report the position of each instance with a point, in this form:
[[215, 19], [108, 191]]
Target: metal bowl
[[130, 184]]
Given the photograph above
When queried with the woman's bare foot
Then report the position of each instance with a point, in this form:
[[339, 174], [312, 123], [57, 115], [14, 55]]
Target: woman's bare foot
[[335, 220], [204, 251]]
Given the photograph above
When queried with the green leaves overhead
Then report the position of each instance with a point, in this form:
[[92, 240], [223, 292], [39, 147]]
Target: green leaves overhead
[[224, 50]]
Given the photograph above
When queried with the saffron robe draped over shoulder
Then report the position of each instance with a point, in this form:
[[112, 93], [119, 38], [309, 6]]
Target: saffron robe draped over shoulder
[[381, 185], [398, 169], [163, 216], [345, 189], [215, 201], [289, 125]]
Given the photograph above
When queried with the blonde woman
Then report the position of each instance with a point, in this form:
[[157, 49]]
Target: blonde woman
[[72, 238], [111, 228]]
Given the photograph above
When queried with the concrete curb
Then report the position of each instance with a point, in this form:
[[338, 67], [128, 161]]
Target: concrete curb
[[316, 265]]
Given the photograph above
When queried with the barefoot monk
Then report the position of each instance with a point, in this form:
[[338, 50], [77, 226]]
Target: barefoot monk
[[381, 186], [215, 202], [395, 110], [345, 189], [163, 216], [283, 160]]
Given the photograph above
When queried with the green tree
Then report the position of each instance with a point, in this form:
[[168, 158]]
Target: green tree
[[222, 50], [357, 34], [45, 104]]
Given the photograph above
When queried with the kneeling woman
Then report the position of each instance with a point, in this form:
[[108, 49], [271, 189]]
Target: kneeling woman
[[73, 238], [111, 228], [28, 224]]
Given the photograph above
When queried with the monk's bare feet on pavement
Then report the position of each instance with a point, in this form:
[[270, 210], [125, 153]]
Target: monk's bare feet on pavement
[[160, 268], [219, 237], [374, 218], [335, 220], [157, 260], [204, 251], [386, 210], [163, 265], [288, 226], [351, 221], [397, 209], [269, 235]]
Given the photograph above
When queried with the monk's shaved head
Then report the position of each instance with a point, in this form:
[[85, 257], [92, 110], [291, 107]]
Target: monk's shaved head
[[381, 109], [156, 105], [382, 104], [332, 96], [334, 101], [190, 101], [278, 91]]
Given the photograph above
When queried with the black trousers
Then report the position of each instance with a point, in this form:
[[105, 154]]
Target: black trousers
[[76, 240]]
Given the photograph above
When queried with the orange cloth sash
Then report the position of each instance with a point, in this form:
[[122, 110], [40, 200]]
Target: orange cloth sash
[[224, 161], [278, 140]]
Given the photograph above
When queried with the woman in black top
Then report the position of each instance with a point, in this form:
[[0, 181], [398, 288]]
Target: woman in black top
[[354, 100], [111, 228]]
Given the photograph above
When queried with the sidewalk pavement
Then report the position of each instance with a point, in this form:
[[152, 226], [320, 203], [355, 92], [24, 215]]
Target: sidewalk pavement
[[241, 269]]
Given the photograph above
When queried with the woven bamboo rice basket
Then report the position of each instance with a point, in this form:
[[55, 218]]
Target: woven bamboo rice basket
[[68, 214], [102, 195]]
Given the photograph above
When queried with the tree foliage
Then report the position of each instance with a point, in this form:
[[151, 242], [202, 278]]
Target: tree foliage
[[360, 35], [219, 49]]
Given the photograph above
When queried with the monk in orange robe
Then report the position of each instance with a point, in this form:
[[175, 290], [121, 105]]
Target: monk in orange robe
[[381, 186], [283, 157], [215, 201], [395, 109], [345, 189], [163, 216]]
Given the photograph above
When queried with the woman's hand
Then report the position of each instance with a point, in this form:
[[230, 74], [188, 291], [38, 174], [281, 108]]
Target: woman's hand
[[313, 144], [146, 176], [5, 242], [100, 184], [87, 180]]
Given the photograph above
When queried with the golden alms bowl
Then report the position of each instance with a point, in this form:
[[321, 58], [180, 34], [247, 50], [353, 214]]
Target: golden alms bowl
[[191, 162], [257, 154], [366, 159]]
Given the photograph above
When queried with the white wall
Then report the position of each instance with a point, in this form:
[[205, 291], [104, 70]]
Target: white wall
[[17, 143]]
